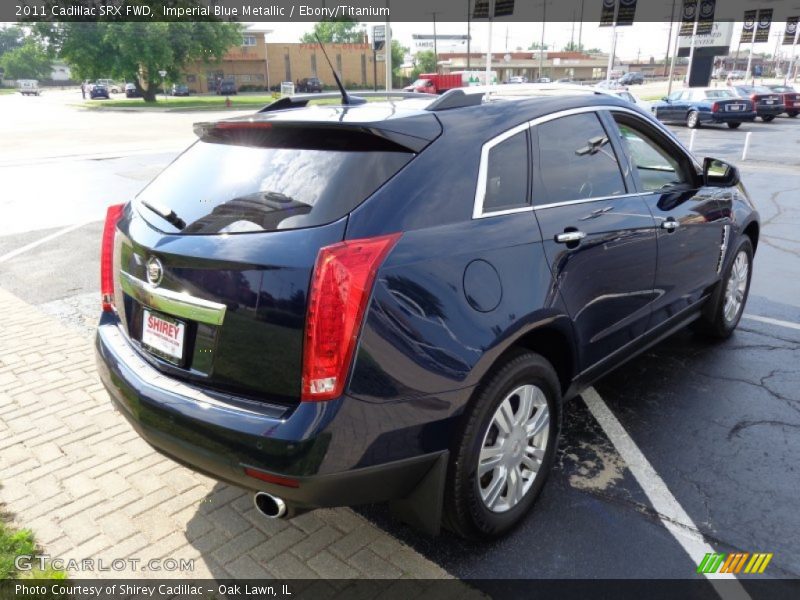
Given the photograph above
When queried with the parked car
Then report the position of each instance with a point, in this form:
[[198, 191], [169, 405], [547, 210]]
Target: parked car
[[110, 85], [131, 91], [790, 96], [768, 103], [542, 80], [389, 333], [179, 89], [227, 87], [309, 85], [517, 79], [626, 95], [610, 84], [632, 78], [696, 106], [28, 87], [99, 91]]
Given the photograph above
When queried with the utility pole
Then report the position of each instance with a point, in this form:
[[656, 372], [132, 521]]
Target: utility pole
[[750, 56], [613, 49], [691, 55], [672, 64], [387, 52], [541, 45], [469, 34], [580, 28], [435, 46], [790, 71], [669, 36], [775, 54], [489, 46]]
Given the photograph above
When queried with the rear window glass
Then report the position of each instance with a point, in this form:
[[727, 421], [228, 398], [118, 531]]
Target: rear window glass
[[249, 181]]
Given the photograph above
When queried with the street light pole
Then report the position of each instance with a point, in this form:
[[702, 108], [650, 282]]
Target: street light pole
[[266, 59], [387, 52], [613, 50], [488, 80]]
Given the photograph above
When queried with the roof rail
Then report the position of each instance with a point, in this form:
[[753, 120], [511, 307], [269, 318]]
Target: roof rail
[[301, 100], [475, 95]]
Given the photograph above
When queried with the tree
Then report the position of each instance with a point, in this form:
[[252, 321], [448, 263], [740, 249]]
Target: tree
[[538, 46], [398, 58], [11, 38], [137, 51], [424, 62], [335, 32], [28, 61]]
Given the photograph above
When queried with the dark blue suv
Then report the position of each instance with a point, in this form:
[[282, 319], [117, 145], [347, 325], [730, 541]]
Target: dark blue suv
[[337, 305]]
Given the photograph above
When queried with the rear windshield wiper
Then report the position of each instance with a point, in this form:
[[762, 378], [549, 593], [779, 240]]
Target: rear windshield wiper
[[165, 213]]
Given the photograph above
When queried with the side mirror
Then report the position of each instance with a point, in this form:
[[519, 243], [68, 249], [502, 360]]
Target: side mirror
[[665, 99], [718, 173]]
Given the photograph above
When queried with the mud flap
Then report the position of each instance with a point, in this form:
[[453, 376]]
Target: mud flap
[[422, 508]]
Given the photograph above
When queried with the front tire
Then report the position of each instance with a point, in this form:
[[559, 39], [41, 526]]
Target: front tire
[[724, 310], [693, 119], [734, 125], [504, 449], [768, 118]]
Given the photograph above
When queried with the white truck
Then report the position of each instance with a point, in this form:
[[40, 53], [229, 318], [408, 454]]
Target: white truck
[[28, 87]]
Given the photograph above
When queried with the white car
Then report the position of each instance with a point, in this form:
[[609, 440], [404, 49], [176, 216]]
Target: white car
[[626, 95]]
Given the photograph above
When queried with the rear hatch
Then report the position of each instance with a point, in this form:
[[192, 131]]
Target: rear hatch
[[213, 264]]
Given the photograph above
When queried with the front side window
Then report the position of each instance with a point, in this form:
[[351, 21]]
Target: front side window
[[507, 174], [657, 169], [576, 160]]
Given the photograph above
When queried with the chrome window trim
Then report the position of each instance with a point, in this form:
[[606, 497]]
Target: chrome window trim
[[480, 190]]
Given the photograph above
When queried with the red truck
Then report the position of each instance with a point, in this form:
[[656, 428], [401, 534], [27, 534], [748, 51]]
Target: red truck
[[433, 83]]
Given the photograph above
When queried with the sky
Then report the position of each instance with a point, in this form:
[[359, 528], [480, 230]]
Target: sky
[[641, 40]]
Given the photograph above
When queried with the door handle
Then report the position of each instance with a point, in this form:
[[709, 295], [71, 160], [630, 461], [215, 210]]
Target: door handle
[[670, 224], [569, 237]]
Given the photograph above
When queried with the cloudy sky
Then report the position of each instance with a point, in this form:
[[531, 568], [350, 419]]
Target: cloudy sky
[[641, 40]]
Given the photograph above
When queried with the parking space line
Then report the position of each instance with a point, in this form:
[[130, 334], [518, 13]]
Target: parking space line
[[670, 512], [44, 240], [771, 321]]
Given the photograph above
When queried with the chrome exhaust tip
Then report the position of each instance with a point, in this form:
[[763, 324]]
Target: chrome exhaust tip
[[270, 506]]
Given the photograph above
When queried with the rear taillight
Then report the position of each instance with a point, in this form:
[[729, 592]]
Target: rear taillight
[[340, 290], [113, 215], [715, 107], [754, 98]]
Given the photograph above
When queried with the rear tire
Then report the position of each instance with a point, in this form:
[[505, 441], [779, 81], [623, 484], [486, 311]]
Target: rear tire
[[510, 433], [792, 115], [725, 307], [734, 125], [693, 120], [767, 118]]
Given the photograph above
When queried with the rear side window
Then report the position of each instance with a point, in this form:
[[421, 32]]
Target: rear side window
[[576, 160], [242, 181], [507, 174]]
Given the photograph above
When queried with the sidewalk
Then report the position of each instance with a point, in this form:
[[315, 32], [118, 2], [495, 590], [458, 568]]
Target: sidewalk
[[74, 471]]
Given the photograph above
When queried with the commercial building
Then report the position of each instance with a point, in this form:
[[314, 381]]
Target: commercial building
[[530, 64], [256, 64]]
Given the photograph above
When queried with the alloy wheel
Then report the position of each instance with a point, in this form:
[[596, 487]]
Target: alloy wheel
[[513, 448], [736, 287]]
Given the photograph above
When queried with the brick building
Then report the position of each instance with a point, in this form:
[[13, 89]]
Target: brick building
[[530, 64], [257, 64]]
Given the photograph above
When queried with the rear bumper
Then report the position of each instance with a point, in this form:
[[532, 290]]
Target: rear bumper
[[771, 110], [219, 435], [732, 117]]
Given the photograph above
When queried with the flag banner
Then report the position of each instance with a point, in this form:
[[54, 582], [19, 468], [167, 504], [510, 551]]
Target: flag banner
[[764, 22], [481, 10], [749, 26], [791, 31], [627, 10], [689, 16], [705, 20], [503, 8], [607, 15]]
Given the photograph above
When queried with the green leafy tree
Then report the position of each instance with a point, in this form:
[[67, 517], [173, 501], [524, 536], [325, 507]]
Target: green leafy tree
[[137, 51], [28, 61], [424, 62], [538, 46], [11, 38], [398, 58], [334, 32]]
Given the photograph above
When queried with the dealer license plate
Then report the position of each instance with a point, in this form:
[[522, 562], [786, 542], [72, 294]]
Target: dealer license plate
[[163, 336]]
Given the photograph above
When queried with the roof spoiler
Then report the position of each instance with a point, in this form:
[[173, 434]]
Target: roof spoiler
[[301, 100]]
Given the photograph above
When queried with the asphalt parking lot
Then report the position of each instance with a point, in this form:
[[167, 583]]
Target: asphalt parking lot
[[719, 424]]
